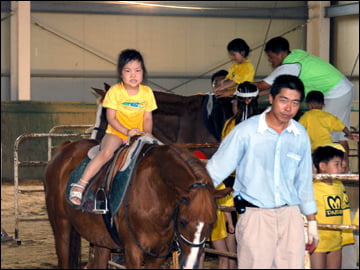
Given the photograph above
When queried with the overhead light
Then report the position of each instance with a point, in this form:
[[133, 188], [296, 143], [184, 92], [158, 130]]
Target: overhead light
[[165, 6]]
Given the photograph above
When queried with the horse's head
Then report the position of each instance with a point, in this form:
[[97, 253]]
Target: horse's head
[[195, 212], [195, 219]]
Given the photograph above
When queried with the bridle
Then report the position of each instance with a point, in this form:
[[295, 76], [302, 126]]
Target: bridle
[[176, 215], [174, 244]]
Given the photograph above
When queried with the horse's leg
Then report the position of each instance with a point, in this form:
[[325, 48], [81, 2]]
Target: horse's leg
[[101, 258], [62, 233], [75, 249], [157, 262], [133, 256], [154, 263], [91, 257]]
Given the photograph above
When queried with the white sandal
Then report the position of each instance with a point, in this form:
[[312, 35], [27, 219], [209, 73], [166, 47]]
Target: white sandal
[[77, 194]]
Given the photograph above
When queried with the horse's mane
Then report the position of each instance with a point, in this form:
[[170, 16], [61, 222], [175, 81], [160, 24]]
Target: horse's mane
[[60, 147], [197, 196], [191, 161]]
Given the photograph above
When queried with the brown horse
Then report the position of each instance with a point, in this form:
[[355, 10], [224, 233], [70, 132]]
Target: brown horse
[[170, 199], [182, 119]]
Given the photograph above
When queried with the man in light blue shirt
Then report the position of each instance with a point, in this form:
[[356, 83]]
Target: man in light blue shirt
[[271, 154]]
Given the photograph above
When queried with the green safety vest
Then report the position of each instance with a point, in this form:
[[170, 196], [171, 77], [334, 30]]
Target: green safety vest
[[315, 73]]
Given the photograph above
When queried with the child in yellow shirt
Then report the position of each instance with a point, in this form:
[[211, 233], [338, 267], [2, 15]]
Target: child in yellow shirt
[[319, 124], [333, 208], [129, 106], [240, 71]]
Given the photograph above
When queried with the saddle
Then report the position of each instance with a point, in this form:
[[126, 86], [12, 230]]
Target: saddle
[[106, 189]]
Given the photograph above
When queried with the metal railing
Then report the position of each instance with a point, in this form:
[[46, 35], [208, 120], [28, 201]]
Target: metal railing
[[18, 163]]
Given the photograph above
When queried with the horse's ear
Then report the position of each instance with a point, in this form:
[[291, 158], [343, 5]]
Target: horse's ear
[[98, 92], [222, 192], [107, 86]]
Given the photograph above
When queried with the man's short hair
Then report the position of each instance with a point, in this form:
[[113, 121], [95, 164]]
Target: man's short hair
[[277, 45], [219, 73], [287, 81]]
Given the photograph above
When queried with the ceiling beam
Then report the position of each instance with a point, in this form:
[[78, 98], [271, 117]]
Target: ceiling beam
[[121, 8], [342, 10]]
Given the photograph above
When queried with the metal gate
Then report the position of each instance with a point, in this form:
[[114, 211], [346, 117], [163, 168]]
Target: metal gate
[[17, 163]]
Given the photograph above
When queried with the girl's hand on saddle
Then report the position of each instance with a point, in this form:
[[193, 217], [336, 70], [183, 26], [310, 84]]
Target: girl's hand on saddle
[[133, 132], [148, 134]]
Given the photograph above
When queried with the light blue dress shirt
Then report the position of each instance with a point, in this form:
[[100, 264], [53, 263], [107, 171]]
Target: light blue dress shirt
[[271, 169]]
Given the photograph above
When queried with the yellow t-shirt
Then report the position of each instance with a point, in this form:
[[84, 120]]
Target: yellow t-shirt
[[333, 208], [241, 72], [319, 125], [129, 109], [219, 230], [228, 126]]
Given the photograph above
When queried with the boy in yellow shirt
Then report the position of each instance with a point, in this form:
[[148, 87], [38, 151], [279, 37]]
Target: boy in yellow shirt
[[333, 208], [319, 124]]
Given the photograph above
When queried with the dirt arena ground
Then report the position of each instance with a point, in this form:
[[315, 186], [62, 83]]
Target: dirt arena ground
[[35, 248]]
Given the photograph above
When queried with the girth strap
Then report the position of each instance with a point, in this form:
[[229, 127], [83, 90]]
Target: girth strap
[[110, 225]]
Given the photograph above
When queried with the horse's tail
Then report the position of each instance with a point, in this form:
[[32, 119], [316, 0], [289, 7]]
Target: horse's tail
[[75, 249]]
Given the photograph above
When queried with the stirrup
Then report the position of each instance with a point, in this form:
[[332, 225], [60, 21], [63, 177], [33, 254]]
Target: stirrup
[[101, 202]]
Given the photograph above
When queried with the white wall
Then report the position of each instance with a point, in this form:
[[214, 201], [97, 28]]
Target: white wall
[[177, 49], [72, 52]]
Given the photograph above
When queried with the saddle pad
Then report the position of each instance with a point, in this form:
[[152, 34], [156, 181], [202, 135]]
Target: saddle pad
[[119, 184], [115, 197], [75, 176], [93, 151]]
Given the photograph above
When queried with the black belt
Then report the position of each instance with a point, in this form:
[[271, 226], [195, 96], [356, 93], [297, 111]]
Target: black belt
[[249, 204], [241, 204]]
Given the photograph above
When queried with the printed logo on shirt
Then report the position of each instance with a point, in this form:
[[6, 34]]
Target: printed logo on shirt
[[134, 105], [333, 206]]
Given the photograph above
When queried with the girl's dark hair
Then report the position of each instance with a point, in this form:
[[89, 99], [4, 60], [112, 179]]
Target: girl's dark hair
[[238, 45], [129, 55], [243, 108], [325, 154], [287, 81]]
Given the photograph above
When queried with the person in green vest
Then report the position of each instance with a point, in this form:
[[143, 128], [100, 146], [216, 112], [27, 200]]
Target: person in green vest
[[315, 73]]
